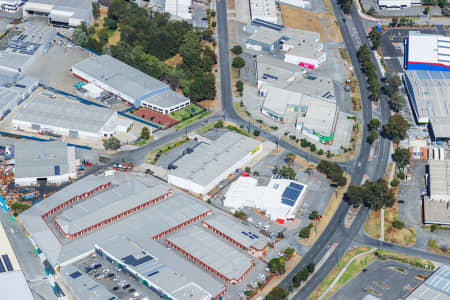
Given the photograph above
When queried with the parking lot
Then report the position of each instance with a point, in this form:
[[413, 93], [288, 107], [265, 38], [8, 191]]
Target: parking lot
[[114, 280], [387, 280], [410, 208]]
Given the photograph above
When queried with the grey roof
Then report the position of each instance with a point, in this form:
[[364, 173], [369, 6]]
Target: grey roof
[[14, 286], [436, 286], [8, 98], [320, 117], [213, 251], [167, 99], [439, 178], [266, 36], [210, 160], [64, 113], [13, 61], [120, 76], [81, 9], [82, 286], [280, 73], [174, 274], [430, 90], [155, 219], [235, 230], [129, 194], [39, 159]]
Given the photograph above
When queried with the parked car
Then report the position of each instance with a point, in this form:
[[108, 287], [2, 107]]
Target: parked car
[[126, 286]]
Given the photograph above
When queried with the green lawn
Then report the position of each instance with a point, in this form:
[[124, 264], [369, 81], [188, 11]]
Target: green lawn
[[187, 112], [142, 142], [192, 120]]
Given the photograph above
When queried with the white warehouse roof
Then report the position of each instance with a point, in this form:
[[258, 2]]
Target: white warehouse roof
[[279, 199]]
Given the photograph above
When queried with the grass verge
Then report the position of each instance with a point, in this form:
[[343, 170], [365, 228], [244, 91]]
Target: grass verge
[[186, 113], [191, 120], [357, 265], [142, 142], [372, 226], [414, 261], [355, 93], [435, 248]]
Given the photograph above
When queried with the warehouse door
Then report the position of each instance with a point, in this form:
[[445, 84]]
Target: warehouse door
[[73, 133]]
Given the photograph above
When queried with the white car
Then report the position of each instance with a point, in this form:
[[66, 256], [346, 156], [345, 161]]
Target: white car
[[105, 270]]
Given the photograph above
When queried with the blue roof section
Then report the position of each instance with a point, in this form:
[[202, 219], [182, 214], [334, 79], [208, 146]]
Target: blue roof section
[[259, 22], [132, 261]]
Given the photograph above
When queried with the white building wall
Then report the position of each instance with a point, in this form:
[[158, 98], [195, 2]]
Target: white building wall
[[203, 190], [394, 3], [24, 181], [58, 130], [297, 60]]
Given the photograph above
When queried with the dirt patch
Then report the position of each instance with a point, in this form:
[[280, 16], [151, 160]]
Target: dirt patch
[[175, 60], [331, 208], [324, 23], [372, 226], [355, 93], [405, 236]]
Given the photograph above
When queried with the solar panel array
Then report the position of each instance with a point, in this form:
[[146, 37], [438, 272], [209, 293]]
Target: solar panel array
[[291, 194], [7, 262], [263, 23], [250, 234]]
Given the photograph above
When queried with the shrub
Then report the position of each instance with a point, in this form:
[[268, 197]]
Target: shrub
[[312, 147], [397, 224], [256, 132], [401, 175], [241, 215], [238, 62], [219, 124], [305, 232], [320, 152], [395, 182], [237, 49]]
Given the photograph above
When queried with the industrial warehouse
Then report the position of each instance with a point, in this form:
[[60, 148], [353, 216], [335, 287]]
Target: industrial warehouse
[[69, 118], [211, 252], [211, 162], [130, 84], [238, 234], [279, 199], [61, 13], [436, 205], [50, 162], [428, 93], [427, 52], [299, 47], [74, 223]]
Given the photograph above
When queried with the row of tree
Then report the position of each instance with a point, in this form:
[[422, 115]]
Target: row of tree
[[333, 171], [373, 194], [369, 69], [392, 90], [345, 5]]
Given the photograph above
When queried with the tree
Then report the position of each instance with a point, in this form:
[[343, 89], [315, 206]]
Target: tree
[[433, 227], [394, 81], [289, 251], [239, 86], [305, 232], [110, 23], [396, 102], [401, 157], [276, 265], [314, 215], [256, 132], [333, 171], [372, 137], [238, 62], [103, 36], [395, 182], [397, 224], [219, 124], [311, 267], [443, 3], [19, 207], [372, 11], [145, 133], [79, 36], [377, 194], [237, 49], [397, 127], [277, 293], [355, 195], [95, 9], [203, 87], [426, 11], [111, 143], [241, 215], [287, 173], [394, 21], [375, 36], [374, 124], [290, 158], [312, 148]]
